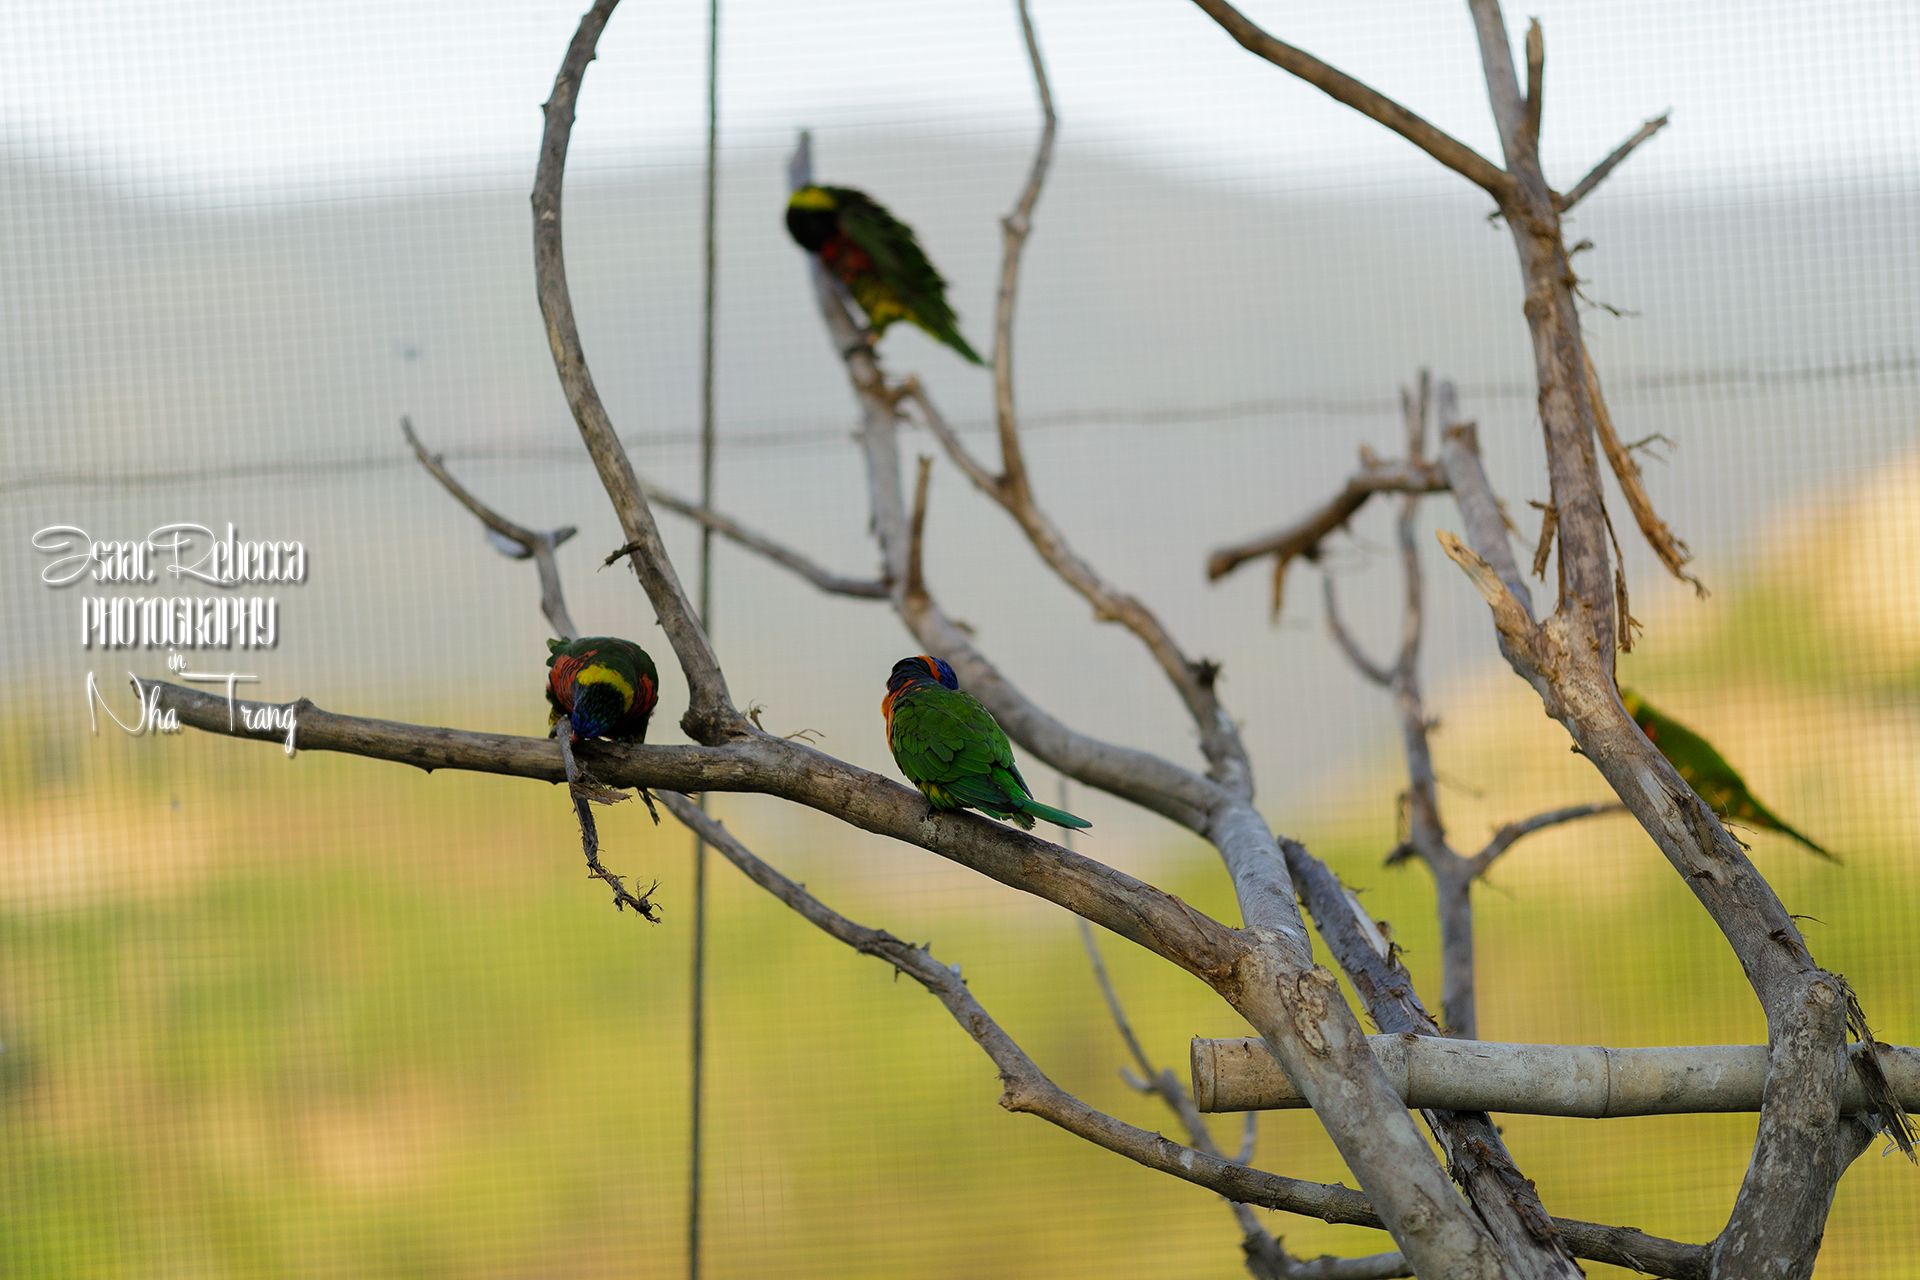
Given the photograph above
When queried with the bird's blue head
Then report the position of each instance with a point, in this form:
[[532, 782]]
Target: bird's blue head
[[923, 669]]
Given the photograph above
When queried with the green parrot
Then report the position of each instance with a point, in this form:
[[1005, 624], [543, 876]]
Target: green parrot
[[875, 255], [602, 687], [949, 746], [1706, 771]]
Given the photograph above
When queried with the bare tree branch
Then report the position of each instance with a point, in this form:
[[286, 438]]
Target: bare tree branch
[[936, 422], [1219, 737], [583, 791], [916, 530], [1027, 1087], [1275, 983], [1014, 229], [1516, 628], [1265, 1257], [1486, 527], [710, 711], [1506, 1201], [1672, 552], [779, 767], [1339, 86], [1536, 73], [1505, 838], [1599, 172], [1304, 537], [1366, 666], [823, 578], [539, 546], [1585, 1081]]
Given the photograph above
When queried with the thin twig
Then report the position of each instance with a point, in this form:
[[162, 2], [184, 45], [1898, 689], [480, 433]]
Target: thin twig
[[1505, 838], [1341, 87], [1264, 1253], [582, 794], [916, 531], [1303, 537], [539, 546], [1365, 665], [936, 422], [1536, 73], [1598, 174], [758, 543], [1114, 1008], [1543, 549], [1219, 735], [1672, 552], [1014, 230]]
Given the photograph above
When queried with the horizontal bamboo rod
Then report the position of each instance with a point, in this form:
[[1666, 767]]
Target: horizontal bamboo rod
[[1432, 1073]]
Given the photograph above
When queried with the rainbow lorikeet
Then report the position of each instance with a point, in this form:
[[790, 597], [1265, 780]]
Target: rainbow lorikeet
[[602, 687], [1706, 771], [876, 256], [949, 746]]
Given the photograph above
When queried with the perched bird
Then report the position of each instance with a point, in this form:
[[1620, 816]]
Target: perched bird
[[949, 746], [606, 688], [875, 255], [602, 687], [1706, 771]]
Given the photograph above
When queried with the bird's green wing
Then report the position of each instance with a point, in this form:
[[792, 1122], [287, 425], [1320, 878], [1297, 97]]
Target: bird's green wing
[[902, 266], [1705, 770], [944, 739]]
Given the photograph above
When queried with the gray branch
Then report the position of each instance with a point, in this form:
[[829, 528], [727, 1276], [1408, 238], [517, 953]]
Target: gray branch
[[710, 712], [1027, 1088], [539, 546], [1505, 838], [1589, 1082], [1343, 88], [1598, 174], [1506, 1201], [1274, 983], [1265, 1257], [1367, 667], [1014, 229], [761, 545], [1303, 538]]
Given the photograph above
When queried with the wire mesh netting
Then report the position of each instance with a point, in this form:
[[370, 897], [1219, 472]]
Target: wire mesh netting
[[319, 1016]]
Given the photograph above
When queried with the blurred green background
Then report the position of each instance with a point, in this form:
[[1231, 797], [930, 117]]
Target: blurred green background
[[253, 1030], [323, 1017]]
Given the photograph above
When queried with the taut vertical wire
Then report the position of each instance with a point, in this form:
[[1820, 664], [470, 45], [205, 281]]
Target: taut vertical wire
[[698, 995]]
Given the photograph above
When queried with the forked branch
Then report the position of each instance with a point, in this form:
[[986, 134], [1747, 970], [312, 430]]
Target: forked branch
[[1303, 537], [538, 546], [710, 714], [1598, 174]]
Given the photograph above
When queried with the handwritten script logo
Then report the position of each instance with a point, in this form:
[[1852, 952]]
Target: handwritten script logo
[[183, 551]]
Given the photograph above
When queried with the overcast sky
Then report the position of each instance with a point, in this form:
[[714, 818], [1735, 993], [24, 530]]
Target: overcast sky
[[222, 99]]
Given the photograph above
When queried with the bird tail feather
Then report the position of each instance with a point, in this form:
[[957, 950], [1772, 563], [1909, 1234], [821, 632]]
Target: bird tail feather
[[1058, 817]]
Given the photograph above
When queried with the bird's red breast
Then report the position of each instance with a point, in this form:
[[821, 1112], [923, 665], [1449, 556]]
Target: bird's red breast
[[844, 258]]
